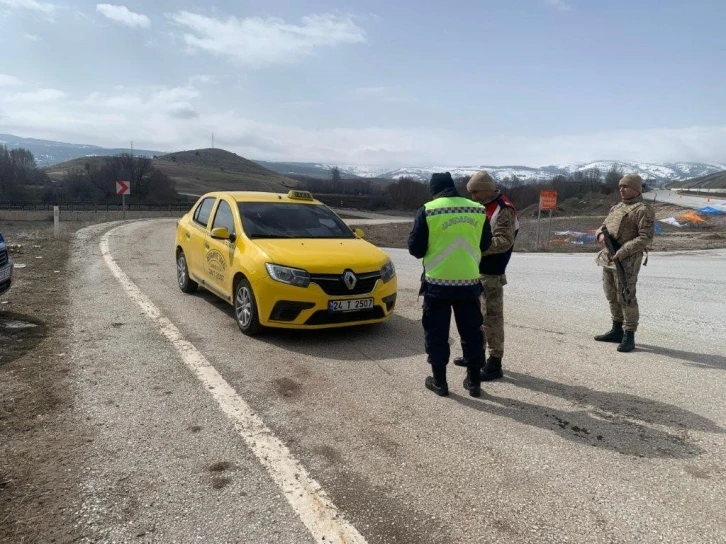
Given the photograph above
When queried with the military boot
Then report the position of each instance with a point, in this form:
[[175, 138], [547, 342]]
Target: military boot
[[437, 383], [628, 343], [492, 369], [472, 382], [460, 361], [613, 335]]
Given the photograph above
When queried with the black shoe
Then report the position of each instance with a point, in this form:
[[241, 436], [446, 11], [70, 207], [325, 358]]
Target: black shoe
[[460, 361], [628, 343], [472, 382], [492, 369], [437, 383], [613, 335]]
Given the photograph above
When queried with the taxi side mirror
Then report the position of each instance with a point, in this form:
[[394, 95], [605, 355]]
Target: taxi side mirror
[[221, 233], [359, 233]]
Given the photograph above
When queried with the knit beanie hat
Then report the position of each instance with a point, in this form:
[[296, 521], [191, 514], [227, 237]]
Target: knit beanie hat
[[634, 181], [440, 182], [481, 181]]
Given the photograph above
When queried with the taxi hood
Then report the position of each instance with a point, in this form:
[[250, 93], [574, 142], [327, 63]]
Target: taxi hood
[[324, 256]]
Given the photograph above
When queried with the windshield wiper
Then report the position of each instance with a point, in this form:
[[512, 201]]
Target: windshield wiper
[[255, 236]]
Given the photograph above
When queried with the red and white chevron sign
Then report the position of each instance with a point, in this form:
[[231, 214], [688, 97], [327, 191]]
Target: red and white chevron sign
[[123, 188]]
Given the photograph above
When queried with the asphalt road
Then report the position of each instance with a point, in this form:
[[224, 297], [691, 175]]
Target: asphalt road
[[578, 443], [685, 200]]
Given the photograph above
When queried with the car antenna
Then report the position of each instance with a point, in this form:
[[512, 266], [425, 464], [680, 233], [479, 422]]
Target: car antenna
[[287, 186], [273, 189]]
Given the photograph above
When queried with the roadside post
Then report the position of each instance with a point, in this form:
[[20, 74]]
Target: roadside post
[[123, 188], [56, 221], [547, 202]]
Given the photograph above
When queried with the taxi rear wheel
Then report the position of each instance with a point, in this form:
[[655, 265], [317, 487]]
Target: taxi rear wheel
[[245, 308], [186, 284]]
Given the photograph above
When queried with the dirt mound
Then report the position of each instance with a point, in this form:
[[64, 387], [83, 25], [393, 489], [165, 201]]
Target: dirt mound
[[590, 204]]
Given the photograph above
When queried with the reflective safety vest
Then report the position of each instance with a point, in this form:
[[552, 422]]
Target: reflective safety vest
[[455, 227]]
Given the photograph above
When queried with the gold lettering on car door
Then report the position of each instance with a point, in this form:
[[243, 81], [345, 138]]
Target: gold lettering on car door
[[216, 265]]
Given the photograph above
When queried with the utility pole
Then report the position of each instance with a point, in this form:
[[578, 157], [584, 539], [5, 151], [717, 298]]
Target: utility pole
[[131, 178], [212, 140]]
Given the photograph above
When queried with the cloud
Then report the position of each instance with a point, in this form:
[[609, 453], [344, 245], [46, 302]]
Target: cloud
[[379, 94], [255, 41], [173, 118], [122, 14], [183, 110], [39, 96], [31, 37], [667, 144], [31, 5], [201, 79], [8, 81], [560, 5]]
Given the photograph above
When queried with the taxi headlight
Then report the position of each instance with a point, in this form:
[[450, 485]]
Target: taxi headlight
[[388, 271], [285, 274]]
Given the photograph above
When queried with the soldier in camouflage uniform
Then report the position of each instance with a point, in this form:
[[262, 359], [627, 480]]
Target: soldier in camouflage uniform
[[492, 268], [630, 224]]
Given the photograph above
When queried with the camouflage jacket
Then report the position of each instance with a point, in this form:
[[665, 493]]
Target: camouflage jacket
[[503, 232], [630, 223]]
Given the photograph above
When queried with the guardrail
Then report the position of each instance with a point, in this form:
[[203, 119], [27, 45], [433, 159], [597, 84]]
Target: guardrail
[[697, 190], [93, 207]]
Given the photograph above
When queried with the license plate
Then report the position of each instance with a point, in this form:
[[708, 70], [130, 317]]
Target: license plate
[[350, 305], [5, 274]]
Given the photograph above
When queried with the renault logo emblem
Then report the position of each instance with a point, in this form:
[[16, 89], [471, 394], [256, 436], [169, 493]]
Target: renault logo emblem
[[349, 279]]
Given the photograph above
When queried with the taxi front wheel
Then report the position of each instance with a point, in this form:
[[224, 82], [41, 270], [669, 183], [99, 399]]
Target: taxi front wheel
[[245, 308], [186, 284]]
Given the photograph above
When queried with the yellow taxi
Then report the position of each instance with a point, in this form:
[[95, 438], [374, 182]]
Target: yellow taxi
[[283, 260]]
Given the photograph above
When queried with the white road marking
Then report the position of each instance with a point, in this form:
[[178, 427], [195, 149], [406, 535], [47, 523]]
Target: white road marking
[[305, 495]]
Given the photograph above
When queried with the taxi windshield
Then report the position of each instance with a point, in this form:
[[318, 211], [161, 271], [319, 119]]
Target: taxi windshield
[[288, 220]]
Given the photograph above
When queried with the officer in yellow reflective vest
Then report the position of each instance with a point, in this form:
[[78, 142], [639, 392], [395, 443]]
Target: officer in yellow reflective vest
[[449, 233]]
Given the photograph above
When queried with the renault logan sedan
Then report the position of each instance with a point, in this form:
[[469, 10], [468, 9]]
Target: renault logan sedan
[[283, 261]]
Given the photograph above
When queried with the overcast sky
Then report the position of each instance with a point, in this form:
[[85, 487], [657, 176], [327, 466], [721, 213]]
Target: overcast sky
[[373, 82]]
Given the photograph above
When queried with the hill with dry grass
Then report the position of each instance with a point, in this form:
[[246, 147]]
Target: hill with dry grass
[[199, 171], [712, 181]]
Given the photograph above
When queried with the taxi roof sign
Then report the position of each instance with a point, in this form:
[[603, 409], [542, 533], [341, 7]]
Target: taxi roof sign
[[300, 195]]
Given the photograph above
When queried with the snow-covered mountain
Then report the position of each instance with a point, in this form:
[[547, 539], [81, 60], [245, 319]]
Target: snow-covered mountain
[[654, 172], [356, 170], [49, 152]]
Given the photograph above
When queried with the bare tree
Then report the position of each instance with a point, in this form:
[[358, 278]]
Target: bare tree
[[409, 193], [612, 179], [335, 178]]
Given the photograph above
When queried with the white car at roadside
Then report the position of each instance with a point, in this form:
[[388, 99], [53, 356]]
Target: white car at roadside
[[6, 267]]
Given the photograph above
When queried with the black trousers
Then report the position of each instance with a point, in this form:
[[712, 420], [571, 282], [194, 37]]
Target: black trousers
[[436, 322]]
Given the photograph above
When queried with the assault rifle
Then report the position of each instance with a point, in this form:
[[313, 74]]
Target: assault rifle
[[622, 278]]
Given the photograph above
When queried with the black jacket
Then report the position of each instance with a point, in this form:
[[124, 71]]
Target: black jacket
[[418, 243]]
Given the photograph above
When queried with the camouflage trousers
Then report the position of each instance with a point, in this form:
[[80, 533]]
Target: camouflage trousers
[[492, 309], [627, 315]]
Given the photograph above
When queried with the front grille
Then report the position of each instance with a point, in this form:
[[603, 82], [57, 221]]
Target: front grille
[[3, 256], [288, 310], [324, 317], [334, 285]]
